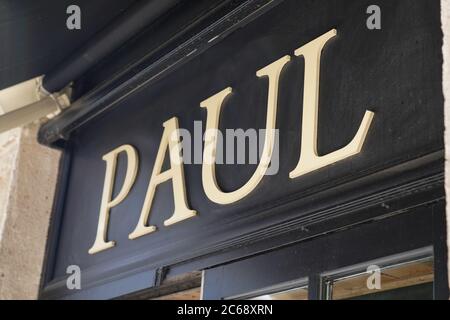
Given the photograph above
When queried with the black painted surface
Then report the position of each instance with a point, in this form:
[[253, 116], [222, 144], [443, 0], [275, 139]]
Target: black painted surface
[[387, 242], [418, 292], [35, 38], [166, 33], [383, 71]]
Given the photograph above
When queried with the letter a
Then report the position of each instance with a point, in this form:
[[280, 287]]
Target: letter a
[[171, 139]]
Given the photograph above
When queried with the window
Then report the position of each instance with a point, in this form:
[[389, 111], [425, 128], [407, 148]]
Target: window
[[293, 290], [408, 280], [300, 293]]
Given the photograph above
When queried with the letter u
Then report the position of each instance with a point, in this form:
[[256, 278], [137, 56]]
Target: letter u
[[213, 106]]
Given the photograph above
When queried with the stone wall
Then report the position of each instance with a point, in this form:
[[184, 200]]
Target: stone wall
[[9, 146], [445, 18], [28, 174]]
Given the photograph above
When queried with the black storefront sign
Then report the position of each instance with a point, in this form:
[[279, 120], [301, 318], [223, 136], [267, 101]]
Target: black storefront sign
[[379, 89]]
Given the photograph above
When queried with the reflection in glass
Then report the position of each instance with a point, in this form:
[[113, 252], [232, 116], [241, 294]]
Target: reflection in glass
[[406, 281], [292, 294]]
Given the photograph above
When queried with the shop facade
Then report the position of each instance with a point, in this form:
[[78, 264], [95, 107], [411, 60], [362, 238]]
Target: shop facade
[[345, 201]]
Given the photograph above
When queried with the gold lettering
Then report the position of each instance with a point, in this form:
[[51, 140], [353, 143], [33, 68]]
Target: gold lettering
[[308, 162], [100, 243], [171, 140], [309, 158], [213, 106]]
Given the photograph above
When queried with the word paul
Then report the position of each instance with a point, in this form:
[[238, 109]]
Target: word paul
[[309, 159]]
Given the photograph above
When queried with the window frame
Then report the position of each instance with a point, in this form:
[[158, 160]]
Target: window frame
[[406, 236]]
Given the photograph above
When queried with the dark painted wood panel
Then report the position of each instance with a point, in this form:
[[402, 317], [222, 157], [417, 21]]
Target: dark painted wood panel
[[385, 242], [383, 71]]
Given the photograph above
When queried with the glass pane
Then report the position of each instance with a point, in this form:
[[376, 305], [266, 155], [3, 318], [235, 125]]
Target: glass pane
[[191, 294], [407, 281], [292, 294]]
